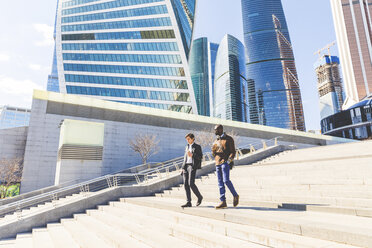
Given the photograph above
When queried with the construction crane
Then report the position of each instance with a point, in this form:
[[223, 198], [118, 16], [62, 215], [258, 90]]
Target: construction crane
[[327, 47]]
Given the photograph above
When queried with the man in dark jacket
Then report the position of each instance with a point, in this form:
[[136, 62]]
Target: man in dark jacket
[[223, 151], [192, 161]]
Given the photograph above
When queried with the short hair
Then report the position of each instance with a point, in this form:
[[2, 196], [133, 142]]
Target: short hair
[[218, 126], [190, 135]]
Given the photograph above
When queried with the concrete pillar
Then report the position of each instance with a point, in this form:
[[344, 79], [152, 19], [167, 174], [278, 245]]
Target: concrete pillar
[[80, 151]]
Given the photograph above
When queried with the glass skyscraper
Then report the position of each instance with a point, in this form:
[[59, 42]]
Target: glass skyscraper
[[230, 87], [130, 51], [202, 63], [274, 92], [53, 83]]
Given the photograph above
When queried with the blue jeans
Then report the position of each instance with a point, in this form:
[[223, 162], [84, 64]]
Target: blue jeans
[[223, 176]]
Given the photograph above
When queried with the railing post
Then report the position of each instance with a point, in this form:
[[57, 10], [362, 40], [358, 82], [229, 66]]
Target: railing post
[[176, 165], [137, 179], [19, 212], [264, 146], [108, 180], [54, 199], [276, 141], [252, 149], [115, 181], [209, 157], [158, 172]]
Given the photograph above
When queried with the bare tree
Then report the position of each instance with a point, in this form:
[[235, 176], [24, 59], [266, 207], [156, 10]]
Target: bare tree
[[236, 138], [205, 138], [145, 145], [10, 174]]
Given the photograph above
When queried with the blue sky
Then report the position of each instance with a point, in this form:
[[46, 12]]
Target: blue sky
[[26, 43]]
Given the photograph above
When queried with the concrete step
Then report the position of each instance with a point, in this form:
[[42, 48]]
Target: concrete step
[[7, 243], [302, 206], [283, 197], [150, 236], [320, 187], [297, 181], [24, 241], [345, 229], [301, 157], [82, 236], [247, 233], [198, 236], [326, 192], [60, 237], [201, 237], [112, 236], [41, 238]]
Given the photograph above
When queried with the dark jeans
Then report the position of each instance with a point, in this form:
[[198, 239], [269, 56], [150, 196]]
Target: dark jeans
[[189, 181], [223, 176]]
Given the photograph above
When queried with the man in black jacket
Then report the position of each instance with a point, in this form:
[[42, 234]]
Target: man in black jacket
[[192, 161]]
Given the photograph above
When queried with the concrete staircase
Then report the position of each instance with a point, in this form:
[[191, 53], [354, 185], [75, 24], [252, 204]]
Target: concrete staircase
[[43, 207], [316, 197]]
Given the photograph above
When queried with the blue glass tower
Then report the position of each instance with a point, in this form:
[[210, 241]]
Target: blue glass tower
[[230, 87], [202, 63], [213, 54], [131, 51], [274, 92], [53, 83]]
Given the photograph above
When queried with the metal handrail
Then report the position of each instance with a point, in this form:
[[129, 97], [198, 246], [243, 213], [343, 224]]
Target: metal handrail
[[110, 181]]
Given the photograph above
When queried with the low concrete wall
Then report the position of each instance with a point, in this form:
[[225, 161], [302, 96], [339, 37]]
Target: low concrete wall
[[41, 219], [13, 142]]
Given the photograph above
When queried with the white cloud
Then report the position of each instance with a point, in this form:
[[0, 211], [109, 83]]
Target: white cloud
[[17, 92], [35, 67], [4, 57], [47, 33]]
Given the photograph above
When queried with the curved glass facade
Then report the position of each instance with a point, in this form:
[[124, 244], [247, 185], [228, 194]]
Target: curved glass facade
[[132, 51], [230, 88], [202, 61], [274, 93], [353, 123]]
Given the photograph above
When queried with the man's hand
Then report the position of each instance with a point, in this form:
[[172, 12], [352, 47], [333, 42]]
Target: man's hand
[[189, 154], [231, 163], [183, 171]]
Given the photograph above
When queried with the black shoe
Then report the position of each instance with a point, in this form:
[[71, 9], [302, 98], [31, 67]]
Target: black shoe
[[236, 200], [222, 205], [199, 201], [187, 205]]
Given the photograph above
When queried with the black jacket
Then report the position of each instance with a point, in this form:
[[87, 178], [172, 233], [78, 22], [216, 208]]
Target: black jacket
[[197, 156]]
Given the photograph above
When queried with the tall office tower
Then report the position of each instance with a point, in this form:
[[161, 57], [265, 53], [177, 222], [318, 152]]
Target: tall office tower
[[274, 92], [329, 85], [131, 51], [230, 87], [214, 49], [14, 117], [202, 62], [353, 25], [53, 83]]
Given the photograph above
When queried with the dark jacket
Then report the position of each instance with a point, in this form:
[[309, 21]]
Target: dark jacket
[[223, 149], [197, 156]]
